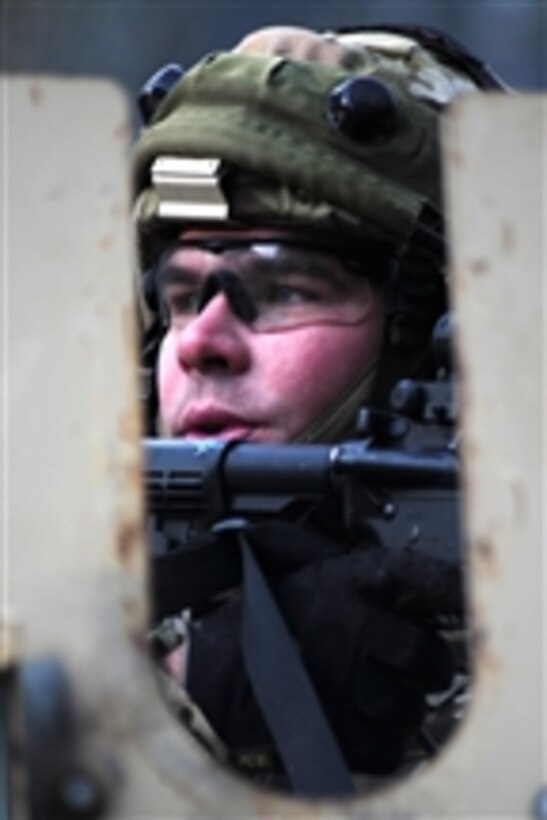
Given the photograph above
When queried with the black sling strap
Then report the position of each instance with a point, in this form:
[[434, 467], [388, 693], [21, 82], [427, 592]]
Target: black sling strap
[[311, 756]]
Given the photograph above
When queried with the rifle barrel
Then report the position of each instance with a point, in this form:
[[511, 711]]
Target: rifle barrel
[[193, 475]]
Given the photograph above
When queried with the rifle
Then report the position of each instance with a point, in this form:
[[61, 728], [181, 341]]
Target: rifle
[[397, 485]]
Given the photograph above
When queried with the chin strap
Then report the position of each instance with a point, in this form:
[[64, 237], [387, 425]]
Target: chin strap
[[339, 419]]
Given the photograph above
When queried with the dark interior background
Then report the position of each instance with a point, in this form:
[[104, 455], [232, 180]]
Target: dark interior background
[[129, 40]]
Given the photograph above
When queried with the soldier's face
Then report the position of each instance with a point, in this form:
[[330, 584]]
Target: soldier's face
[[264, 365]]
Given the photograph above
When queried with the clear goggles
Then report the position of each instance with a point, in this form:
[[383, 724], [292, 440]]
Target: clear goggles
[[270, 284]]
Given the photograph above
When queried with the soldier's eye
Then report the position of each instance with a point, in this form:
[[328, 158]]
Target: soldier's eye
[[181, 301], [293, 290], [290, 294]]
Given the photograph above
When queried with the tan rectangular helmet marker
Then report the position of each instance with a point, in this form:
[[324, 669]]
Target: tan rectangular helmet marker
[[188, 189]]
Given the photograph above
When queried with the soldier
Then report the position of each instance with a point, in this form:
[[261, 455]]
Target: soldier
[[290, 228]]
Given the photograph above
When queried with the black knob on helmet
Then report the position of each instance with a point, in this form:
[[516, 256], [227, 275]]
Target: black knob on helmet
[[363, 109], [156, 88]]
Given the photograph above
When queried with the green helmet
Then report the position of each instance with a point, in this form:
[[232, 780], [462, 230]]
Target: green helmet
[[332, 132]]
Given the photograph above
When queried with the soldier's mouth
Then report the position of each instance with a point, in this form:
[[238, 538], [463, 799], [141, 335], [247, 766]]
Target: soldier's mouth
[[212, 422], [224, 433]]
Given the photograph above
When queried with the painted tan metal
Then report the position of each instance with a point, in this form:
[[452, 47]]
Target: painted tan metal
[[73, 568], [497, 187]]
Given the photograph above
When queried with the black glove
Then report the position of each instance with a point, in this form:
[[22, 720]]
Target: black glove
[[359, 620], [372, 666]]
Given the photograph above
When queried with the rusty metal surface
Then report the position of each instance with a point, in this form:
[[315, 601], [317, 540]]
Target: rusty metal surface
[[74, 579]]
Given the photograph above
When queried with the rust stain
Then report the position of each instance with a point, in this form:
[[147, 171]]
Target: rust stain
[[456, 157], [129, 420], [488, 662], [129, 425], [127, 542], [479, 266], [483, 658], [121, 132], [136, 612], [106, 242], [36, 94], [486, 557], [519, 501], [134, 482], [129, 328], [508, 237]]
